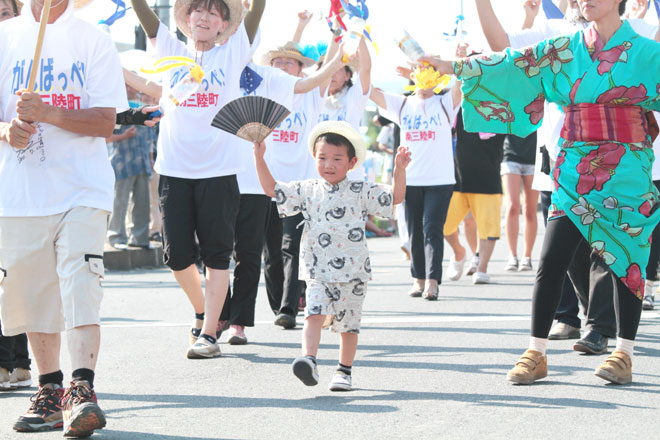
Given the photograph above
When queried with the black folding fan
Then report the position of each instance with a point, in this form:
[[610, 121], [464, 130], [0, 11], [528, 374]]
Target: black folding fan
[[251, 118]]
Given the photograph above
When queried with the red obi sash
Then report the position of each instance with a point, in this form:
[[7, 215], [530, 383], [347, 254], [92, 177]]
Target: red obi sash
[[608, 122]]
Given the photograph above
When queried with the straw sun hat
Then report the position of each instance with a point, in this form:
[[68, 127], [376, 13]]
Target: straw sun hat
[[236, 13], [342, 128], [290, 50]]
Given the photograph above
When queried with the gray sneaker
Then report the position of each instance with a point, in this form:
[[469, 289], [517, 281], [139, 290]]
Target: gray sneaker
[[561, 331], [341, 382], [647, 302], [203, 349], [305, 369]]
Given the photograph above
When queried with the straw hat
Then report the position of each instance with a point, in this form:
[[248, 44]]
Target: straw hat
[[236, 14], [290, 50], [342, 128]]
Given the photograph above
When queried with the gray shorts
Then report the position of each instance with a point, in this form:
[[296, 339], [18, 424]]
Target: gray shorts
[[340, 302], [520, 169]]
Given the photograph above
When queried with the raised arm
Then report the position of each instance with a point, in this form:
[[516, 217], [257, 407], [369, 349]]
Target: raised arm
[[531, 8], [303, 20], [497, 38], [378, 97], [365, 66], [148, 18], [265, 178], [253, 18], [321, 78]]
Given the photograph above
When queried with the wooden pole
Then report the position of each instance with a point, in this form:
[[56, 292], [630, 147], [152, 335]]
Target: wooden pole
[[45, 12]]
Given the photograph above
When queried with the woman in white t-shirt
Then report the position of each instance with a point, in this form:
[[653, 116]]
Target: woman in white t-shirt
[[426, 121], [199, 194], [346, 99]]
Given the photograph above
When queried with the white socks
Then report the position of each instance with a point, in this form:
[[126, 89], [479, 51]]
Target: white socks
[[538, 344], [625, 345]]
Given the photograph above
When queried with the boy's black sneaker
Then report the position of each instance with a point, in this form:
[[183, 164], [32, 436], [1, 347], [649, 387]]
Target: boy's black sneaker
[[45, 412], [81, 411]]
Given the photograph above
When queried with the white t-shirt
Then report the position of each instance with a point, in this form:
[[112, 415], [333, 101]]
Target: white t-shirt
[[553, 121], [79, 69], [426, 130], [188, 146], [287, 152], [278, 86], [349, 107]]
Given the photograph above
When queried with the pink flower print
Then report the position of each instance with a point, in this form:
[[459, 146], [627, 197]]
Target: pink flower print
[[598, 167]]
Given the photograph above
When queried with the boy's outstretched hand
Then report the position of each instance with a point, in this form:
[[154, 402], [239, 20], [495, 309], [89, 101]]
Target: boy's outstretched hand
[[402, 158], [259, 149]]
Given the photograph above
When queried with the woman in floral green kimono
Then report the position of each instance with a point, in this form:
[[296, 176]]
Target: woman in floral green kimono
[[606, 78]]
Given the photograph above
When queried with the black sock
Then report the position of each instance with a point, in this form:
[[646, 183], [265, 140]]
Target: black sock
[[476, 254], [344, 369], [209, 338], [311, 358], [56, 377], [199, 316], [83, 374]]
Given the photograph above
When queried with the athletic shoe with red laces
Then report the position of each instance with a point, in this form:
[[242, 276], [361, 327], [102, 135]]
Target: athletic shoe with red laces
[[81, 411], [45, 412]]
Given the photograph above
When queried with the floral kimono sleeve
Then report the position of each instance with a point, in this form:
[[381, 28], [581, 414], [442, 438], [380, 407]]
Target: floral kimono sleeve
[[503, 92], [378, 200], [289, 198]]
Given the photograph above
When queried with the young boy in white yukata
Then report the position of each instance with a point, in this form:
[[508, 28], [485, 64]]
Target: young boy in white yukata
[[334, 249]]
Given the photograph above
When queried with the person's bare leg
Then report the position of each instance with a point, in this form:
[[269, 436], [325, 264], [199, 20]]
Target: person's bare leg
[[431, 285], [46, 351], [529, 210], [348, 348], [418, 285], [512, 197], [312, 334], [217, 282], [191, 283], [455, 243], [486, 248], [84, 343], [470, 225]]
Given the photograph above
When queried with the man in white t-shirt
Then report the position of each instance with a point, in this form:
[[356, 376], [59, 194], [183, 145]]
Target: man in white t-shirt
[[596, 298], [57, 189]]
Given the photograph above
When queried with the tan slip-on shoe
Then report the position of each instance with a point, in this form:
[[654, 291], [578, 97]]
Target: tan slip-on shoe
[[531, 367], [617, 368]]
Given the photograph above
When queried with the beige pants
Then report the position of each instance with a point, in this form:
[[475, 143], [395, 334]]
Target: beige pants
[[51, 268]]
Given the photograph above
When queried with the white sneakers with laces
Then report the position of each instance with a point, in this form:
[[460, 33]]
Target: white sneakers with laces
[[341, 382]]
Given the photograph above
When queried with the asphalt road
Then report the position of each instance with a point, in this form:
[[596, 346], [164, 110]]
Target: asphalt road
[[424, 370]]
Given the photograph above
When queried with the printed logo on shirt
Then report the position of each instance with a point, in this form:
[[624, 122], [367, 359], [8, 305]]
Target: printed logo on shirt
[[34, 148], [59, 88], [420, 128], [323, 117], [213, 80], [290, 129]]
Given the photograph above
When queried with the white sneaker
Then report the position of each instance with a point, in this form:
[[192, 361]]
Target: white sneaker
[[511, 264], [525, 264], [474, 263], [341, 382], [20, 378], [5, 383], [203, 349], [455, 269], [305, 370], [480, 278]]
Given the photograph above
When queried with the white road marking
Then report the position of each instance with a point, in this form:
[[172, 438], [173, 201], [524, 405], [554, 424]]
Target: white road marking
[[379, 320]]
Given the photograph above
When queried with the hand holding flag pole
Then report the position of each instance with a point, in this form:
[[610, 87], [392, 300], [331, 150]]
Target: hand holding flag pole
[[45, 13]]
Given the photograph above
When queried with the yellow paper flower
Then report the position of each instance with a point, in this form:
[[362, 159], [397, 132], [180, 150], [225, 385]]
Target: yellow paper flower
[[167, 63], [426, 77]]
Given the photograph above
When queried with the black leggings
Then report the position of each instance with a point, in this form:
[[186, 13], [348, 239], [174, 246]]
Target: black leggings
[[559, 245]]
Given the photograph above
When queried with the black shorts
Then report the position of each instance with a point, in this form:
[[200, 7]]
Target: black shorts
[[206, 207]]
